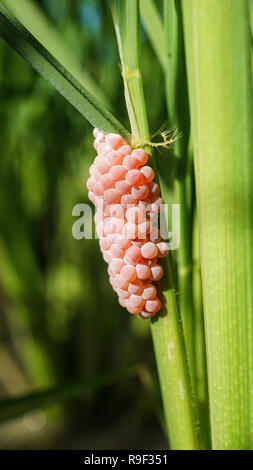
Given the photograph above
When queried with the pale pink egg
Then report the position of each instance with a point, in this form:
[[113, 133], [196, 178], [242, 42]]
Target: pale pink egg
[[152, 306], [144, 229], [128, 272], [163, 249], [90, 183], [95, 132], [135, 215], [112, 196], [136, 287], [114, 140], [128, 200], [149, 292], [156, 272], [107, 256], [92, 169], [140, 192], [123, 243], [103, 166], [118, 172], [116, 265], [105, 243], [106, 150], [155, 234], [130, 231], [98, 189], [121, 282], [100, 229], [100, 148], [141, 156], [115, 157], [145, 315], [107, 181], [148, 173], [116, 251], [123, 302], [149, 250], [122, 293], [136, 301], [132, 309], [122, 187], [126, 149], [100, 136], [133, 254], [130, 163], [116, 210], [134, 178], [143, 271]]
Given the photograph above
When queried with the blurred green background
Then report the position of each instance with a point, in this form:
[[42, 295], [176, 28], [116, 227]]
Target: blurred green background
[[60, 320]]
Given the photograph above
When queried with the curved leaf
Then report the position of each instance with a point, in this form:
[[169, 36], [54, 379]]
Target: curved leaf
[[33, 18], [20, 39]]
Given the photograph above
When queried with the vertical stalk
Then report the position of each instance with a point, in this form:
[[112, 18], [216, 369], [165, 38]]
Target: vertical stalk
[[199, 343], [154, 27], [166, 329], [217, 42], [178, 109]]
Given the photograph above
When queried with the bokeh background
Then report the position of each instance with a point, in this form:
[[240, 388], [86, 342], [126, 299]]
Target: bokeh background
[[60, 320]]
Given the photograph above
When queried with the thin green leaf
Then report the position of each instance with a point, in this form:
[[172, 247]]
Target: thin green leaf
[[218, 48], [32, 17], [178, 110], [154, 28], [13, 407], [18, 37], [126, 22]]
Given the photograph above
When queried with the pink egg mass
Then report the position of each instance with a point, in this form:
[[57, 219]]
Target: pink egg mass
[[127, 200]]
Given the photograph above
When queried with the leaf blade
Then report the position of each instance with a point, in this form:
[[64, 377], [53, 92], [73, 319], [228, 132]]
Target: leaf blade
[[154, 28], [23, 42], [220, 88], [33, 18], [126, 21]]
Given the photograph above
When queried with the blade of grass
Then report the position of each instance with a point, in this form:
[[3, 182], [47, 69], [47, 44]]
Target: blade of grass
[[13, 407], [35, 20], [218, 43], [178, 109], [18, 37], [126, 21], [166, 327], [199, 342], [154, 28]]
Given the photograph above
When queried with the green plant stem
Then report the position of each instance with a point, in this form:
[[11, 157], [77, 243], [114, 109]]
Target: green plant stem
[[154, 28], [178, 109], [166, 328], [199, 343], [23, 42], [217, 38]]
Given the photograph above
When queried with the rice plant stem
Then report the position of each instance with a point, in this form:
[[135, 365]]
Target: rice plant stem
[[218, 42], [166, 327], [178, 110]]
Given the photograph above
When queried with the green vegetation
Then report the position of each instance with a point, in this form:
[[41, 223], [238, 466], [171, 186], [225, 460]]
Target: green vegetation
[[67, 346]]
